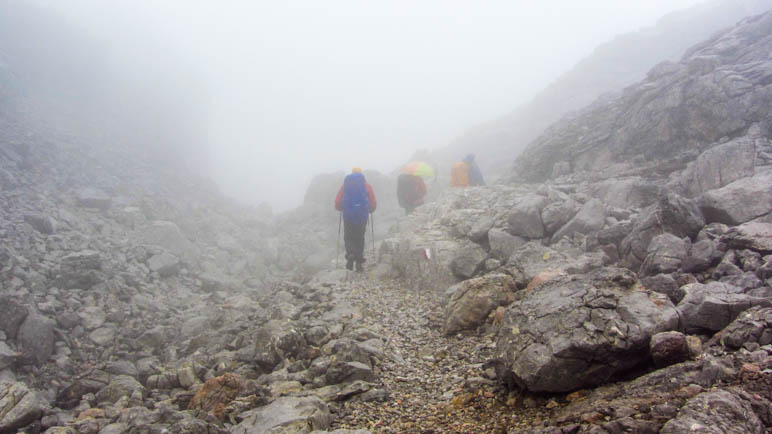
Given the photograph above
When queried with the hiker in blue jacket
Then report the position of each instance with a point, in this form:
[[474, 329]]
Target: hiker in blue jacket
[[475, 175], [356, 201]]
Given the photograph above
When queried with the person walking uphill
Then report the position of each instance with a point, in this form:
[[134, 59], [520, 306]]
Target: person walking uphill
[[466, 173], [411, 190], [475, 175], [356, 201]]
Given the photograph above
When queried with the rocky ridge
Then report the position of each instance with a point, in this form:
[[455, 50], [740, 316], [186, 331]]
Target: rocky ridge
[[602, 74]]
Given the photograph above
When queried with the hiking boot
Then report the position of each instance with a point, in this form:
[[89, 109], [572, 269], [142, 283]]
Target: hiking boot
[[360, 268], [350, 264]]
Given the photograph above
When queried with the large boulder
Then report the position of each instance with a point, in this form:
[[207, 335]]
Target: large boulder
[[712, 306], [753, 235], [702, 255], [286, 415], [19, 406], [534, 259], [558, 214], [752, 326], [739, 202], [119, 386], [672, 214], [592, 217], [80, 270], [35, 339], [581, 330], [167, 235], [475, 299], [502, 244], [718, 411], [478, 232], [665, 254], [468, 261], [12, 315], [525, 218], [719, 166]]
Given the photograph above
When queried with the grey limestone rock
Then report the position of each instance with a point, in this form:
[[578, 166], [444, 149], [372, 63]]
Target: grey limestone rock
[[720, 165], [468, 261], [702, 255], [591, 217], [754, 235], [716, 412], [12, 315], [168, 235], [712, 306], [752, 326], [19, 406], [286, 415], [479, 230], [579, 331], [525, 218], [665, 254], [164, 263], [119, 386], [739, 202], [341, 372], [35, 339], [664, 284], [632, 192], [672, 214], [93, 198], [81, 269], [558, 214], [7, 356], [474, 299], [502, 244]]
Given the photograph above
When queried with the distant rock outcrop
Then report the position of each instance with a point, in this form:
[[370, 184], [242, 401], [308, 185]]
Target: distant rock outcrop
[[720, 88], [610, 68]]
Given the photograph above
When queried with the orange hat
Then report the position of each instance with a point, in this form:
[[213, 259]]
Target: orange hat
[[356, 170]]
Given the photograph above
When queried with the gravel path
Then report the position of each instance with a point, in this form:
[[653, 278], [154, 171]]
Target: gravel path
[[435, 383]]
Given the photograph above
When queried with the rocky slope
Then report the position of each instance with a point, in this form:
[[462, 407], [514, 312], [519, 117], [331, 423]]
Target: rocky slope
[[135, 298], [609, 69], [717, 91], [651, 272]]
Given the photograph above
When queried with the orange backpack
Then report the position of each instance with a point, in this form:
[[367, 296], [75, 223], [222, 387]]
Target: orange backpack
[[459, 175]]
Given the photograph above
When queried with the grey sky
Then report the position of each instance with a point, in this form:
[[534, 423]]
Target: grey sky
[[304, 87]]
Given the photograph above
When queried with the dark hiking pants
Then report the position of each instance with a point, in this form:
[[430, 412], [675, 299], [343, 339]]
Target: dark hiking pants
[[354, 239]]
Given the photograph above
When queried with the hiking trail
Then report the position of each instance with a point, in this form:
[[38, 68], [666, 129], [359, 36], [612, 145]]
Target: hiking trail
[[432, 382]]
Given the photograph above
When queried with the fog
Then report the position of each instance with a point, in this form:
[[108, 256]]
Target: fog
[[303, 87]]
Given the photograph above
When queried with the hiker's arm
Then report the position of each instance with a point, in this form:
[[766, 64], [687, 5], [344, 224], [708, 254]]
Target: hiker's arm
[[339, 198], [373, 203]]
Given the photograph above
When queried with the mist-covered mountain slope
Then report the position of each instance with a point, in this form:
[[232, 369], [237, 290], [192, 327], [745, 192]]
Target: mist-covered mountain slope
[[61, 77], [136, 298], [610, 68], [719, 89]]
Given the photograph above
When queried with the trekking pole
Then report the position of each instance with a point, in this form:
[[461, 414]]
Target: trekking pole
[[337, 241]]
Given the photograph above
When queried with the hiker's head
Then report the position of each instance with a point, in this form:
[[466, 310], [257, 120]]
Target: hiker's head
[[469, 158], [356, 170]]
